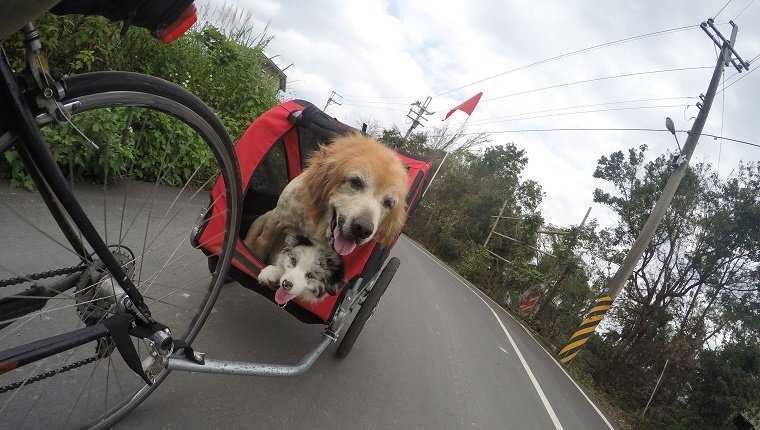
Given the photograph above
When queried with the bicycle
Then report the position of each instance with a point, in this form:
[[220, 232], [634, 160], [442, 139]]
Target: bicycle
[[133, 289]]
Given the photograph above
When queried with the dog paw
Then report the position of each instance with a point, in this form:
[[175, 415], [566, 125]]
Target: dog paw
[[270, 275]]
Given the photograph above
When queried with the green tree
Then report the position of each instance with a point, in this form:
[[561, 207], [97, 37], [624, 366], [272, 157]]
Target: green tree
[[694, 286], [456, 215], [725, 382]]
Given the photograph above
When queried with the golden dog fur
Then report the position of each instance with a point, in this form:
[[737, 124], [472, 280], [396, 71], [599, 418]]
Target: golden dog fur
[[353, 176]]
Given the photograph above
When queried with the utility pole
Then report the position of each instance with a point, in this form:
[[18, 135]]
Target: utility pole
[[421, 110], [496, 222], [493, 231], [554, 289], [616, 284], [332, 101]]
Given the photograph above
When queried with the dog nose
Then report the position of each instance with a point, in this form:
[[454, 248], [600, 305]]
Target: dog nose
[[361, 228], [286, 285]]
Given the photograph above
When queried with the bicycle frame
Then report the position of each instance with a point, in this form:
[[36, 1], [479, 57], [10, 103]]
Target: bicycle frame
[[64, 206]]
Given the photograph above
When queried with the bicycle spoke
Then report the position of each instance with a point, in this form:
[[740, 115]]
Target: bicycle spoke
[[157, 160], [175, 250], [15, 393], [34, 226], [79, 303], [41, 363], [181, 233], [161, 173], [108, 377], [164, 302], [79, 397], [184, 205], [131, 170], [123, 141], [43, 312], [116, 374], [178, 212]]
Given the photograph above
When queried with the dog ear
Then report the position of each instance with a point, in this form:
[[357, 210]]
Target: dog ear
[[332, 288], [390, 227], [301, 240], [317, 182], [290, 242]]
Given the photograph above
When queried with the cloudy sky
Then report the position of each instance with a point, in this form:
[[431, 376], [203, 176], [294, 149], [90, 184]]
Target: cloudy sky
[[380, 56]]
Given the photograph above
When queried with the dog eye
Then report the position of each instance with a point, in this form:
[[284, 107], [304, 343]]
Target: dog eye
[[310, 276], [293, 261], [356, 183], [389, 203]]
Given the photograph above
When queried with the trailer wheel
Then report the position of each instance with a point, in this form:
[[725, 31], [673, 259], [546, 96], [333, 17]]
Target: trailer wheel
[[368, 307]]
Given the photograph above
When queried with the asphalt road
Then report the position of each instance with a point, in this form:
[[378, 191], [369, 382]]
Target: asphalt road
[[436, 355]]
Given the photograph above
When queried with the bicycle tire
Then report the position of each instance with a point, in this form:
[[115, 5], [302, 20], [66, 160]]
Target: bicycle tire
[[368, 307], [113, 91]]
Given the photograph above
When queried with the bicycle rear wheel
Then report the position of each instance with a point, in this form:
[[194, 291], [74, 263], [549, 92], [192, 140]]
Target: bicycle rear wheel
[[145, 188]]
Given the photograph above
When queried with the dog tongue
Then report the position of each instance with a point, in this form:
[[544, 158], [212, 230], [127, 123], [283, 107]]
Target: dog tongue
[[281, 296], [341, 245]]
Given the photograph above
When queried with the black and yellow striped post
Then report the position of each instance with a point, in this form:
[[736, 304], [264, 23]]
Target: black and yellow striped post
[[600, 307]]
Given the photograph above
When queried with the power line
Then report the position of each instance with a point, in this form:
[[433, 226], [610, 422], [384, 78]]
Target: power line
[[582, 112], [373, 107], [595, 80], [745, 8], [737, 73], [375, 102], [657, 130], [579, 51], [744, 142], [721, 9], [531, 130], [381, 97], [745, 75], [583, 106], [497, 121]]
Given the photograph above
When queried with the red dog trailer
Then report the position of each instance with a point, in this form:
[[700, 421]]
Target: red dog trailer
[[270, 153]]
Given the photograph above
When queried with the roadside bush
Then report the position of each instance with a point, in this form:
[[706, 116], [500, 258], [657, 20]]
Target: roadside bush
[[219, 66]]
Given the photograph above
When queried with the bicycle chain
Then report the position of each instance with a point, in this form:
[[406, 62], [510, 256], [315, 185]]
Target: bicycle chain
[[41, 275], [35, 277], [41, 376]]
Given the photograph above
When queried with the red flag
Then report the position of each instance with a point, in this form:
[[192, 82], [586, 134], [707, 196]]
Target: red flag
[[468, 106]]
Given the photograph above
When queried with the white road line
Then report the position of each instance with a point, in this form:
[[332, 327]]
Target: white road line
[[432, 257], [583, 393], [541, 394]]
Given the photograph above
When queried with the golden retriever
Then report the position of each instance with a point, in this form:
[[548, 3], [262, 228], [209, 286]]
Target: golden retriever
[[353, 191]]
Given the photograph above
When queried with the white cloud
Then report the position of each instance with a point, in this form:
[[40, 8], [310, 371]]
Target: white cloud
[[383, 55]]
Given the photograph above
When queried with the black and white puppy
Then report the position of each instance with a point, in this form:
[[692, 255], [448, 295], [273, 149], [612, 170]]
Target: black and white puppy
[[304, 269]]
